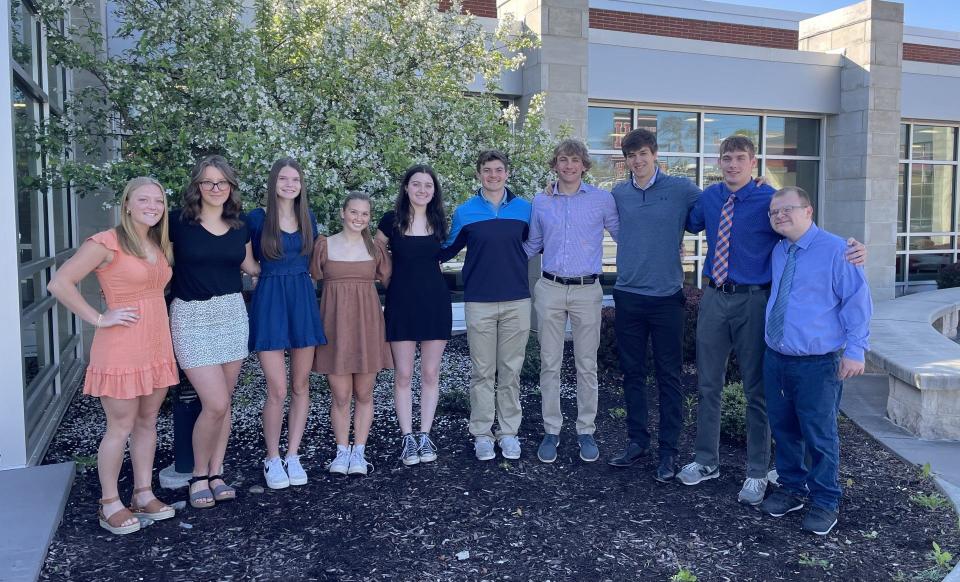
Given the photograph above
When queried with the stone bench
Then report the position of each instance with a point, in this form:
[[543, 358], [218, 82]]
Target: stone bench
[[911, 339]]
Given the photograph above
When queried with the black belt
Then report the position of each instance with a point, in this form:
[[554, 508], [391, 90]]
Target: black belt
[[729, 287], [584, 280]]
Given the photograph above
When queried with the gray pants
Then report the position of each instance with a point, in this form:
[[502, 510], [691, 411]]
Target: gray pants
[[732, 321]]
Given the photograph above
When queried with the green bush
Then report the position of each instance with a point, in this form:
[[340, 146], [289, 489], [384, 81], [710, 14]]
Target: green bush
[[455, 402], [949, 276], [733, 410], [530, 372], [608, 360]]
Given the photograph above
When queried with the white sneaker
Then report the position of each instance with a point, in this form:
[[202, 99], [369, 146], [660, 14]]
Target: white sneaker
[[510, 447], [358, 464], [341, 463], [274, 474], [752, 491], [295, 470], [483, 447]]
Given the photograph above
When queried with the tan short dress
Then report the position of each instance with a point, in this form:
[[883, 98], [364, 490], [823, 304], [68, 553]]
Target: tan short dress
[[351, 311]]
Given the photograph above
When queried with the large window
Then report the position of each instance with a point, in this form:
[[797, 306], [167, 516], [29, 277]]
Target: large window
[[46, 236], [788, 153], [926, 203]]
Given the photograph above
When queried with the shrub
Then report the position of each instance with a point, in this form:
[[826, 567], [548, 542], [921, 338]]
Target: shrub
[[733, 410], [455, 402], [949, 276], [530, 372], [608, 360]]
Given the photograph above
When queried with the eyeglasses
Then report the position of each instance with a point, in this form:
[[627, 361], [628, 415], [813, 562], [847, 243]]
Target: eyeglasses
[[210, 186], [786, 210]]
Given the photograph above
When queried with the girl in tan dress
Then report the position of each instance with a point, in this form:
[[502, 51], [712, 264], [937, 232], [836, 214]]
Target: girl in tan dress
[[131, 360], [349, 262]]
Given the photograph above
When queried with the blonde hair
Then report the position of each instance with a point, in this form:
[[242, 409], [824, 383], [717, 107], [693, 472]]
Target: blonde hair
[[158, 233], [367, 238]]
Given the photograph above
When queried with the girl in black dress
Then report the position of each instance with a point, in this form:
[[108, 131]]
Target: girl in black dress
[[417, 303]]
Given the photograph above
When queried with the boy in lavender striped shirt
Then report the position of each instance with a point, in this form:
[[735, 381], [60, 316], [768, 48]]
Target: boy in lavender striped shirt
[[567, 224]]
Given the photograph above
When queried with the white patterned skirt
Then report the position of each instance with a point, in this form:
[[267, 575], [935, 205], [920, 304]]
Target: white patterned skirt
[[210, 332]]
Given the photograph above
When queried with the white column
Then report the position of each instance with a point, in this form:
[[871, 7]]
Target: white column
[[13, 434]]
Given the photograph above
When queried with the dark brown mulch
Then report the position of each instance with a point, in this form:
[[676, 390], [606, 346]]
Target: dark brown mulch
[[460, 519]]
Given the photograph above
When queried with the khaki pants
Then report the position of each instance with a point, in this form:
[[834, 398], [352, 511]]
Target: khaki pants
[[497, 333], [555, 302]]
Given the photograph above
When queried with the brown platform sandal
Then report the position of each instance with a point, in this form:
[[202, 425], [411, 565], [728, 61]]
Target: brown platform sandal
[[114, 523], [154, 509]]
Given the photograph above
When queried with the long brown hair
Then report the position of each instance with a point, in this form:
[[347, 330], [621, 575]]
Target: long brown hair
[[271, 243], [403, 213], [193, 202], [159, 233], [367, 238]]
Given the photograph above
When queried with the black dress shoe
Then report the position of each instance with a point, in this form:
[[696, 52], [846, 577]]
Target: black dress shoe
[[666, 470], [629, 456]]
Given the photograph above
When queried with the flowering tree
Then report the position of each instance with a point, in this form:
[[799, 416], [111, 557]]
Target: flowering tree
[[356, 91]]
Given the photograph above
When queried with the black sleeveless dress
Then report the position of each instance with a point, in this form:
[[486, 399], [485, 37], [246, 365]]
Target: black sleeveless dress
[[418, 299]]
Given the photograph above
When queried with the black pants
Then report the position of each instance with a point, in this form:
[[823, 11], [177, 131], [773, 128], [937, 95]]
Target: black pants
[[660, 319]]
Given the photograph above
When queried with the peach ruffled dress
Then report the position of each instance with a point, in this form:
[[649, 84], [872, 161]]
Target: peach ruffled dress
[[127, 362]]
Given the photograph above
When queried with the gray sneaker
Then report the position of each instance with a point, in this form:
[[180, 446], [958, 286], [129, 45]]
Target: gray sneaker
[[695, 473], [819, 521], [752, 491], [408, 450], [510, 447], [548, 448], [426, 448], [588, 448], [483, 447]]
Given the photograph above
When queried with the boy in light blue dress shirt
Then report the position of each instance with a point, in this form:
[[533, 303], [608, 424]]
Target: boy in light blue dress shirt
[[817, 329]]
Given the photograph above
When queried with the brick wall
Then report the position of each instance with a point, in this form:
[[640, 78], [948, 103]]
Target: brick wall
[[487, 8], [931, 54], [693, 29]]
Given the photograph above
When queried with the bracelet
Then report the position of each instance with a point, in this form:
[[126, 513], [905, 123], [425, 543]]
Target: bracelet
[[99, 319]]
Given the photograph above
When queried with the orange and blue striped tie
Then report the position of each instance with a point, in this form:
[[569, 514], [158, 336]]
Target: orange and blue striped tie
[[722, 254]]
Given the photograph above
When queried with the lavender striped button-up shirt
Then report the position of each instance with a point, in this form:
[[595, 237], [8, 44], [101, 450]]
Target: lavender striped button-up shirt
[[568, 228]]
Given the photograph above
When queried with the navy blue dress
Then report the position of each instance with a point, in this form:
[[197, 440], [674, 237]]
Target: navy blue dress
[[284, 313]]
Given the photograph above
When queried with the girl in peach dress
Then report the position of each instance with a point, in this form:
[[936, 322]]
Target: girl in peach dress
[[131, 360]]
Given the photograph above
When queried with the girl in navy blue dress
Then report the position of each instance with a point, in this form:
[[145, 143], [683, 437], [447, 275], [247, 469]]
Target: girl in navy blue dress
[[284, 314], [417, 304]]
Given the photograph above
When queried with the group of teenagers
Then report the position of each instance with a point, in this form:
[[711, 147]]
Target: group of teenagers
[[789, 299]]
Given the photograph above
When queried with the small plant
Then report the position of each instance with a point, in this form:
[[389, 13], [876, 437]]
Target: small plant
[[811, 562], [926, 472], [733, 410], [683, 575], [530, 372], [618, 413], [690, 405], [454, 402], [870, 535], [933, 501], [942, 558], [505, 465], [85, 462]]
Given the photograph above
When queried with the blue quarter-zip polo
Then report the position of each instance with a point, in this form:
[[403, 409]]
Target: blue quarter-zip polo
[[495, 268]]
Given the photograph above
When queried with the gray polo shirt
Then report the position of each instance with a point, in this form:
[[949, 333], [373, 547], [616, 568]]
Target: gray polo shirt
[[651, 230]]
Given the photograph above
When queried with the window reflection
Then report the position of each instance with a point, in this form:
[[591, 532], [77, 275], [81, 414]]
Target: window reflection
[[717, 127], [606, 126], [676, 131], [934, 142], [931, 198], [793, 136]]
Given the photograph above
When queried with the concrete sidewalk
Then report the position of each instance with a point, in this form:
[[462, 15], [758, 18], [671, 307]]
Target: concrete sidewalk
[[865, 403], [35, 499]]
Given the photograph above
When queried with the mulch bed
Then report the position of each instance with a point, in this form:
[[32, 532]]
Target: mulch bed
[[460, 519]]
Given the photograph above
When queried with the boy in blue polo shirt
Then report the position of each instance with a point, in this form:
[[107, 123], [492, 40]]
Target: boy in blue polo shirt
[[492, 225]]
